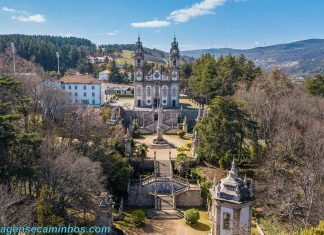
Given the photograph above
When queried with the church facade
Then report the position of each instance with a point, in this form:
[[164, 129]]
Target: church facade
[[159, 86]]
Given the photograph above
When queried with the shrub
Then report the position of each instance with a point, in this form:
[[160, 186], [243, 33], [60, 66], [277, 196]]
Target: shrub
[[191, 216], [136, 134], [181, 134], [138, 217]]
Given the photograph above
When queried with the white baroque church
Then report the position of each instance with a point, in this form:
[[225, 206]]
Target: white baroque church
[[158, 87]]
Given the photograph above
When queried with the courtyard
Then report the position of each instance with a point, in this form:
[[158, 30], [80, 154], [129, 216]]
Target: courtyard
[[166, 226], [163, 154]]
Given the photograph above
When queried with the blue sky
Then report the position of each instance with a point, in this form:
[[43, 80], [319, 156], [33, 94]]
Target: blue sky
[[196, 23]]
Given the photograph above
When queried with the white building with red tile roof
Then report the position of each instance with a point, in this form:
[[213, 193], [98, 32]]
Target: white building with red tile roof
[[83, 89]]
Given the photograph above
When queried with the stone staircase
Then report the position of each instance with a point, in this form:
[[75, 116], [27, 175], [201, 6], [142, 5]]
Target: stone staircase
[[164, 187], [163, 214], [163, 168], [165, 202]]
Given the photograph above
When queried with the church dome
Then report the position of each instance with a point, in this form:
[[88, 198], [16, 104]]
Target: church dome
[[232, 188]]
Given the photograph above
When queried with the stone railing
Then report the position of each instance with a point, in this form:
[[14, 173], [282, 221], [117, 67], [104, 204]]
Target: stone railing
[[180, 180], [185, 189], [147, 180]]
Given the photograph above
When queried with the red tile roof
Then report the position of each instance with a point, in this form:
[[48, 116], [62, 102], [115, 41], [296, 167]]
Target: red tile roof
[[82, 79]]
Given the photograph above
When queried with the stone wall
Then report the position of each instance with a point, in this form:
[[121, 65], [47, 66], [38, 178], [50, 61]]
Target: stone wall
[[189, 198], [138, 166], [140, 198], [191, 115]]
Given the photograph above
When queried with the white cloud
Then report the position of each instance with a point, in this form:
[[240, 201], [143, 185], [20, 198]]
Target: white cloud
[[151, 24], [8, 9], [113, 33], [198, 9], [24, 16], [183, 15], [30, 18]]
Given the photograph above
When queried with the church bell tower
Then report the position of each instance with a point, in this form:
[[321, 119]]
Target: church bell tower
[[139, 73], [174, 64], [139, 60]]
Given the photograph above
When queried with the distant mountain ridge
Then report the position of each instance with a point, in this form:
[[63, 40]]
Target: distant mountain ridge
[[301, 58]]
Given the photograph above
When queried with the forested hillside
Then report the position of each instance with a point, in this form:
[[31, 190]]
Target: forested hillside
[[301, 58], [42, 49], [111, 48]]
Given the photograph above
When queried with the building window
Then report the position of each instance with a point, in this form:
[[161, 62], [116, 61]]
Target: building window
[[85, 94], [75, 93], [148, 92], [85, 102], [164, 101], [75, 87], [174, 63], [84, 87], [174, 91], [138, 62], [93, 94], [139, 92], [63, 87], [70, 87], [226, 221], [70, 93], [165, 91], [93, 102], [76, 101], [93, 87]]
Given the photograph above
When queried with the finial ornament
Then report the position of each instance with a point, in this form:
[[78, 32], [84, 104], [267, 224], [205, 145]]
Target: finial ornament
[[233, 168], [232, 173], [128, 133], [251, 189], [237, 189]]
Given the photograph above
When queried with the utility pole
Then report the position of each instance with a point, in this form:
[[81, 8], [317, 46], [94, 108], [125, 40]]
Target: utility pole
[[58, 62], [13, 58]]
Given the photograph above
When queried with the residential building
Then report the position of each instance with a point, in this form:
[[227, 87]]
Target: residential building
[[118, 89], [83, 89], [104, 75], [99, 59]]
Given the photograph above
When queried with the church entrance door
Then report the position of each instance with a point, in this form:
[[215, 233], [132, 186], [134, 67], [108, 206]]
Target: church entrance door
[[173, 103], [139, 103], [156, 102]]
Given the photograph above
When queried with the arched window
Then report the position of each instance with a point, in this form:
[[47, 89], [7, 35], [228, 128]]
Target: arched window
[[174, 91], [139, 91], [138, 62], [226, 221], [148, 91], [174, 63]]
